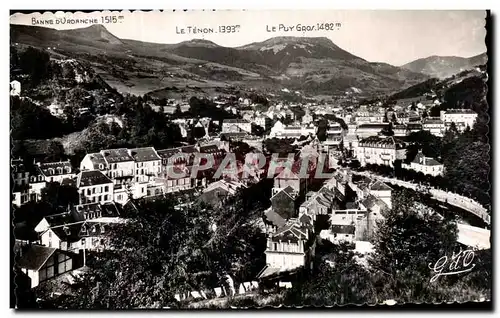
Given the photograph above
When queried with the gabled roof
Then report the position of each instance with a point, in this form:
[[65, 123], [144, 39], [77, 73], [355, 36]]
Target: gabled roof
[[97, 159], [144, 154], [91, 178], [425, 161], [379, 186], [35, 257], [116, 155], [274, 218], [370, 201], [55, 168], [460, 111], [289, 191], [290, 232], [111, 209], [235, 121]]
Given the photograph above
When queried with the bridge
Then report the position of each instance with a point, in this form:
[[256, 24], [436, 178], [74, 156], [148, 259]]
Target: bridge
[[460, 201]]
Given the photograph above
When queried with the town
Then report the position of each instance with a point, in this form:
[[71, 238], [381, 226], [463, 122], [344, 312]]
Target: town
[[350, 202], [283, 172]]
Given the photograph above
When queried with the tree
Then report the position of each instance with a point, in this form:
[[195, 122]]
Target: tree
[[57, 195], [322, 128], [162, 250], [411, 236], [55, 151], [394, 119], [387, 131]]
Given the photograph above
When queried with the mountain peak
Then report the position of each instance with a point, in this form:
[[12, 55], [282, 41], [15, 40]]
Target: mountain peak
[[97, 32], [198, 42]]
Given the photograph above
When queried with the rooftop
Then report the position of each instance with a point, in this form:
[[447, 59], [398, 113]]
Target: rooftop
[[460, 111], [116, 155], [144, 154], [426, 161], [91, 178], [35, 257]]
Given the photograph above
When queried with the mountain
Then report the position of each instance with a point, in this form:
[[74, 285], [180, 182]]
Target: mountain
[[445, 66], [311, 64]]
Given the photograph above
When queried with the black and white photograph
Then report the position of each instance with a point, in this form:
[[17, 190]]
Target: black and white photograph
[[242, 159]]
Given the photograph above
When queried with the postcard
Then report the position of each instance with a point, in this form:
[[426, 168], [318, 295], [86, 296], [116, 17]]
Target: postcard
[[250, 158]]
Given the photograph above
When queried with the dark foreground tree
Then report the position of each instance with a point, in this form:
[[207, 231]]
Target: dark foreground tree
[[161, 251]]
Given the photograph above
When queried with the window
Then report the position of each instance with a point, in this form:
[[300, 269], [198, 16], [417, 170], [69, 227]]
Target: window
[[101, 166], [93, 190], [106, 188], [88, 192]]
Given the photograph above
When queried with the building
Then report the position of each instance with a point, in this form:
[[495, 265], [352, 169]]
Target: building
[[76, 236], [36, 184], [93, 186], [147, 163], [180, 157], [236, 125], [289, 177], [307, 118], [380, 151], [283, 208], [288, 249], [93, 161], [426, 165], [15, 88], [434, 125], [279, 130], [20, 179], [367, 130], [339, 233], [462, 118], [399, 130], [56, 171], [119, 164], [318, 203], [334, 134], [42, 263]]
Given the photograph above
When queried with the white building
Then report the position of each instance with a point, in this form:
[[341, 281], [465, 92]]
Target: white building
[[119, 163], [339, 233], [236, 125], [307, 118], [426, 165], [280, 130], [434, 125], [462, 118], [287, 249], [15, 88], [93, 186], [147, 163], [56, 171], [381, 151], [367, 130]]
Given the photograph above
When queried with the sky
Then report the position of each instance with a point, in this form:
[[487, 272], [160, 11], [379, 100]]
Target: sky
[[394, 37]]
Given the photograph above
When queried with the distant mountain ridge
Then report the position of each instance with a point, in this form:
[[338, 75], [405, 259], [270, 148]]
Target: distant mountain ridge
[[312, 64], [445, 66]]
